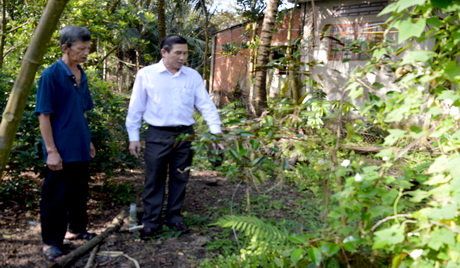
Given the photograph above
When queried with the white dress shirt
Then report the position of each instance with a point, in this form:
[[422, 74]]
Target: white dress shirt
[[164, 99]]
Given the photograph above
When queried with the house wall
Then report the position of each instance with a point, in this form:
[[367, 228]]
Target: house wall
[[333, 74], [230, 73]]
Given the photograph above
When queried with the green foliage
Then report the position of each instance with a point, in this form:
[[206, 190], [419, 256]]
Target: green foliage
[[397, 208], [108, 132], [415, 222], [121, 193]]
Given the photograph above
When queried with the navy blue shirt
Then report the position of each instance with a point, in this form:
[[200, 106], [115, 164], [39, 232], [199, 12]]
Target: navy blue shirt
[[59, 95]]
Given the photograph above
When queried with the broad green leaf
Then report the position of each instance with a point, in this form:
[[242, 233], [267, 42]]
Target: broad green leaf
[[255, 144], [452, 71], [389, 9], [296, 255], [418, 195], [350, 247], [395, 135], [332, 263], [330, 248], [438, 179], [389, 237], [439, 165], [378, 53], [315, 255], [390, 196], [417, 56], [243, 152], [386, 153], [351, 239], [408, 29], [299, 239], [446, 212], [434, 21], [405, 4], [257, 161], [454, 166], [279, 262], [234, 154], [440, 237], [441, 3], [456, 37]]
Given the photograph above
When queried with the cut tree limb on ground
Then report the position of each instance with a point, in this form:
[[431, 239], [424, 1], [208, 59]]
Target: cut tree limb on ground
[[114, 227], [92, 257]]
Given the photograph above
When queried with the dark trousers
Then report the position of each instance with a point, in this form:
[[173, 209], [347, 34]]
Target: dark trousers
[[165, 155], [63, 202]]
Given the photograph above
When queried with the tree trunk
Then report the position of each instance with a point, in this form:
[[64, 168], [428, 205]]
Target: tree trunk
[[260, 90], [206, 44], [161, 20], [251, 68], [293, 78], [3, 32], [32, 60]]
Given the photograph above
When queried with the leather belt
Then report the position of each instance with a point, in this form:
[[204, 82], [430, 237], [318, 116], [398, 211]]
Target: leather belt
[[171, 128]]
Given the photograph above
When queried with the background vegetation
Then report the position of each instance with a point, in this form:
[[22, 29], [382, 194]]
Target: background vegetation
[[398, 207]]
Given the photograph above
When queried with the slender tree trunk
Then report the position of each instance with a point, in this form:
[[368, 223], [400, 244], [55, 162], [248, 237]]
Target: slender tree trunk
[[32, 60], [251, 68], [206, 45], [161, 19], [293, 79], [3, 32], [260, 101]]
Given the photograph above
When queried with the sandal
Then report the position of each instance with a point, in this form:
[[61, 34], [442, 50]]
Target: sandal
[[52, 253], [83, 236]]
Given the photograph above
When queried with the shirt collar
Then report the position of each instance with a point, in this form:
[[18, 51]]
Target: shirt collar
[[69, 72], [162, 68], [65, 67]]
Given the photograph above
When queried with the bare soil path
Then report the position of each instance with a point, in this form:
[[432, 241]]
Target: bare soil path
[[20, 241]]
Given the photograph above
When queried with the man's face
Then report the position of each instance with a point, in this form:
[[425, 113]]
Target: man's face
[[78, 52], [176, 58]]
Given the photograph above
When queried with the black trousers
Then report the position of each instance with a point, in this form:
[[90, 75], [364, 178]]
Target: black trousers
[[165, 155], [63, 202]]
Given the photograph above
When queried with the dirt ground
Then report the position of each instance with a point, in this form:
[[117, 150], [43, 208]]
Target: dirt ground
[[20, 241]]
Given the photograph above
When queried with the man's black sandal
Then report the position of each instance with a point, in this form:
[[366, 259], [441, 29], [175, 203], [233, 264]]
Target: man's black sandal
[[52, 253], [83, 236]]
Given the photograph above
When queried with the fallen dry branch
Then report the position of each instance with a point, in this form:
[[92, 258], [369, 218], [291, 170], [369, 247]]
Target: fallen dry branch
[[364, 149], [115, 226], [92, 257]]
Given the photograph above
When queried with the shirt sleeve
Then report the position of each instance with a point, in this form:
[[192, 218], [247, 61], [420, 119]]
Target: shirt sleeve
[[136, 108], [45, 97], [206, 107], [88, 100]]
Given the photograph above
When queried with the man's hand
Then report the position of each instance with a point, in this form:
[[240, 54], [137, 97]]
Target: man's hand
[[135, 148], [54, 161], [218, 146], [92, 150]]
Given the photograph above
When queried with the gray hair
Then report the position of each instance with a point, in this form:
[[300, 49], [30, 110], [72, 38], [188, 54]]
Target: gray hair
[[71, 34]]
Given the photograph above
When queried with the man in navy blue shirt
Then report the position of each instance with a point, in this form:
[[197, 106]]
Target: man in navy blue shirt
[[63, 98]]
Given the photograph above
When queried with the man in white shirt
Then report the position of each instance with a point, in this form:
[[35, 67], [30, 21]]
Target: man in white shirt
[[165, 95]]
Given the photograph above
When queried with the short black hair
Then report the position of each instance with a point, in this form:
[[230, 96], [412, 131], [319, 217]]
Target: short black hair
[[71, 34], [170, 40]]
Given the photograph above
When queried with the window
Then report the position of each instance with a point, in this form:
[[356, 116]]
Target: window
[[346, 42]]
